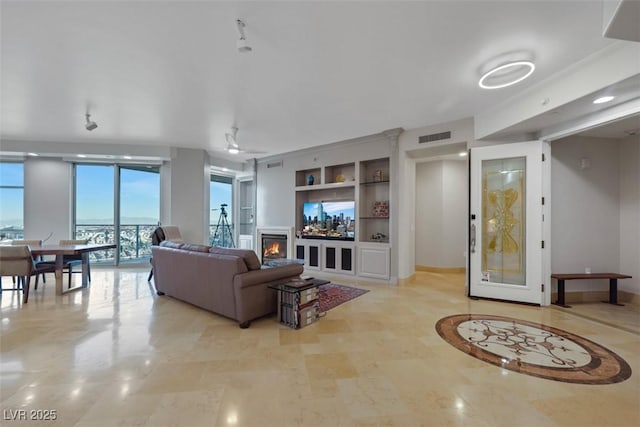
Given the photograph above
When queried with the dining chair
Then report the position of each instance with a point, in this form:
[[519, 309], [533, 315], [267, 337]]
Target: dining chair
[[69, 261], [18, 261], [36, 259], [162, 233]]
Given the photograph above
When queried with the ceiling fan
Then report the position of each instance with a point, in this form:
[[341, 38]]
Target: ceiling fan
[[232, 144]]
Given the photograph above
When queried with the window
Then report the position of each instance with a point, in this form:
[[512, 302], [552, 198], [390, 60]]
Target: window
[[139, 210], [94, 207], [11, 201], [221, 213], [117, 204]]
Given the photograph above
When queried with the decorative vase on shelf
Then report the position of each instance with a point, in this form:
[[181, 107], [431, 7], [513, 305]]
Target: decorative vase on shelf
[[310, 180]]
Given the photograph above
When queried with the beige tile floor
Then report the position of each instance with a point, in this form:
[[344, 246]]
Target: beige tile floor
[[118, 355]]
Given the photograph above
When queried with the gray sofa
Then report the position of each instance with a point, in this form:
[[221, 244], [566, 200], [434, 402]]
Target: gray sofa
[[230, 282]]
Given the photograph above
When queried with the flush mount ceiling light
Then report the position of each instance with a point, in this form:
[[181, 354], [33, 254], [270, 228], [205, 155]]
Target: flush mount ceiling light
[[90, 125], [242, 42], [506, 75], [603, 99]]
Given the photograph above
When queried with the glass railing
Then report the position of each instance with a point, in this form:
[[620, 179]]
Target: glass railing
[[10, 233], [134, 245], [135, 239]]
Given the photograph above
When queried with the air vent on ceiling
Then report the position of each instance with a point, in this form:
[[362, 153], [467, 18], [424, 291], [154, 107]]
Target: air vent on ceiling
[[277, 164], [434, 137]]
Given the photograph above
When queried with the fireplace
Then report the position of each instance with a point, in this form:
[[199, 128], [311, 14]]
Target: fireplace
[[274, 243], [274, 246]]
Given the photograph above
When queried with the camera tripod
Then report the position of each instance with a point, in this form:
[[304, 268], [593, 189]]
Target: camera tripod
[[223, 236]]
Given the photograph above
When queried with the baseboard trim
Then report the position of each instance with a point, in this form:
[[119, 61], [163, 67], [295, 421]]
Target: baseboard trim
[[440, 269], [406, 280]]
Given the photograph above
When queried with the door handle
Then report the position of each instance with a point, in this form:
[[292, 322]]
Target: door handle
[[472, 239]]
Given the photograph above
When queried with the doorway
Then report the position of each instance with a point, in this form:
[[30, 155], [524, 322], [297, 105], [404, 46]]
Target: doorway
[[440, 207]]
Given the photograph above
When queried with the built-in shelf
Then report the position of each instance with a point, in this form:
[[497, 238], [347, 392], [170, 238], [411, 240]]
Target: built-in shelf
[[326, 186], [368, 184], [374, 190], [374, 182]]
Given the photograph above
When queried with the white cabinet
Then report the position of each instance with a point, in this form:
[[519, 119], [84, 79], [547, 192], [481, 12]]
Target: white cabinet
[[338, 257], [327, 256], [245, 241], [374, 261]]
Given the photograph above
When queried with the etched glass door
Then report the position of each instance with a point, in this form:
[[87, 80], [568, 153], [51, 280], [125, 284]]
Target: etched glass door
[[505, 232]]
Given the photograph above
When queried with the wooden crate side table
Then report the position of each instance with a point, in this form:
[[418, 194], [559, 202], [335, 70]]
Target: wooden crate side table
[[298, 304]]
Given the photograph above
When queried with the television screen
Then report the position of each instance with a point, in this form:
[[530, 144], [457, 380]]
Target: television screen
[[329, 220]]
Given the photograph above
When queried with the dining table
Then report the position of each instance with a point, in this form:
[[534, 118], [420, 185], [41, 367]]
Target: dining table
[[61, 250]]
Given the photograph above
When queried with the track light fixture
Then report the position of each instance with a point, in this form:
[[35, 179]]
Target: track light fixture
[[242, 42], [232, 144], [90, 125]]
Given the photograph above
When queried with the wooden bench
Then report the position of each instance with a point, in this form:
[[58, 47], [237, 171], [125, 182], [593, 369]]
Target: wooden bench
[[613, 284]]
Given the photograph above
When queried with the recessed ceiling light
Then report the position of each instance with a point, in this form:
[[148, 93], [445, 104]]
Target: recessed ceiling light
[[462, 154], [499, 73], [82, 155], [603, 99], [233, 150], [32, 154]]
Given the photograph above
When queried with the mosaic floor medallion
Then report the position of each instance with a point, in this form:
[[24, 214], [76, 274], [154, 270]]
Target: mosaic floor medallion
[[533, 349]]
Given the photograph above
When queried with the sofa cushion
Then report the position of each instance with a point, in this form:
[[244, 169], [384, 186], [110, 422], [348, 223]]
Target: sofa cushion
[[170, 244], [250, 258], [194, 247]]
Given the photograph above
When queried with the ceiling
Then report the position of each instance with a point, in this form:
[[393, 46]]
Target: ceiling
[[619, 129], [169, 73]]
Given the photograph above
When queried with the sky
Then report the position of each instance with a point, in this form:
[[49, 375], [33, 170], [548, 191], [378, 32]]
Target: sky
[[139, 201], [220, 193], [11, 199]]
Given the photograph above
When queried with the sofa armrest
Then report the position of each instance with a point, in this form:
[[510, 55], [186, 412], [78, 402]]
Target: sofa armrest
[[267, 275]]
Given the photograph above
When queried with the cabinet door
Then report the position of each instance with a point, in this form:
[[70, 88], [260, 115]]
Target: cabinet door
[[374, 262], [314, 258], [246, 241], [330, 258], [347, 260]]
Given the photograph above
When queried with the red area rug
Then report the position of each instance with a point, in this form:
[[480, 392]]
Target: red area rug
[[332, 295]]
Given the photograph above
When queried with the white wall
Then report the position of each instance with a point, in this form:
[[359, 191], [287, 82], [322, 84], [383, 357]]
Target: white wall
[[47, 199], [407, 215], [441, 205], [585, 208], [630, 213], [188, 195], [454, 213], [429, 208]]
